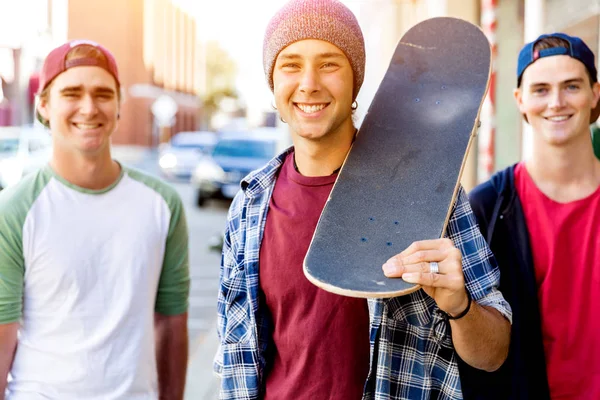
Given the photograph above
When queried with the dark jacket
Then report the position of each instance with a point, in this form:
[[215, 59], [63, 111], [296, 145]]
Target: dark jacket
[[596, 140], [500, 217]]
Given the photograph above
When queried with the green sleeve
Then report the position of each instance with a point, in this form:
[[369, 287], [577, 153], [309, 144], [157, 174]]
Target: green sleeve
[[12, 267], [174, 284], [15, 203]]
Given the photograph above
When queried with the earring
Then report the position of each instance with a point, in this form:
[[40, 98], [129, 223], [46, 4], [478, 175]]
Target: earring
[[282, 120], [273, 105], [354, 105]]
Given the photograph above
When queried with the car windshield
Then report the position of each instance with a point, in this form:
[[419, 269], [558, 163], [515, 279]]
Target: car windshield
[[9, 145], [244, 148]]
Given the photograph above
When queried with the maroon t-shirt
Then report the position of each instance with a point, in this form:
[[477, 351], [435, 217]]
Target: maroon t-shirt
[[321, 339]]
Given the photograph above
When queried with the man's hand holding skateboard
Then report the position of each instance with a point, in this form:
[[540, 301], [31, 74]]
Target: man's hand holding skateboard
[[446, 286], [482, 329]]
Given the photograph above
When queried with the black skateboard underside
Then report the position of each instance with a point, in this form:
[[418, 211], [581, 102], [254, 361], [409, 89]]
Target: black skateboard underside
[[401, 176]]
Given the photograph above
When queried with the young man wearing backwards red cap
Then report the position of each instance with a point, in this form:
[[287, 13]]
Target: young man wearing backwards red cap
[[94, 276], [283, 338], [542, 220]]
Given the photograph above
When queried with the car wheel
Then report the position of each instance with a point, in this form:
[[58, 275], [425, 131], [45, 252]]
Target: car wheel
[[200, 199]]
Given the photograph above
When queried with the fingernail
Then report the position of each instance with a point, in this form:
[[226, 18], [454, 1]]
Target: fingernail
[[410, 277], [388, 269]]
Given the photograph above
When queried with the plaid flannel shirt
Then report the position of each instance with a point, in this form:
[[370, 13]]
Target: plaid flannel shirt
[[412, 356]]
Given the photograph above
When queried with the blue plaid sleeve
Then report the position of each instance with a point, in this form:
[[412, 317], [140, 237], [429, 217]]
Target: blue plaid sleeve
[[226, 265], [242, 326], [226, 284], [482, 275]]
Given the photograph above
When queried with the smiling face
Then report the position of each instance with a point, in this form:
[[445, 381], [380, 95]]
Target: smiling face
[[313, 87], [82, 109], [557, 97]]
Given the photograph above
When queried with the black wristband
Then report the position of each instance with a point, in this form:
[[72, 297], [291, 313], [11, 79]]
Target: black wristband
[[462, 314]]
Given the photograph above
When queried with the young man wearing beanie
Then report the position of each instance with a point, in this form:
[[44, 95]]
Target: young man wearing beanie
[[541, 218], [282, 337], [94, 276]]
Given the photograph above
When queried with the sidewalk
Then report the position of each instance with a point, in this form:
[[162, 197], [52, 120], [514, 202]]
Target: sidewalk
[[202, 383]]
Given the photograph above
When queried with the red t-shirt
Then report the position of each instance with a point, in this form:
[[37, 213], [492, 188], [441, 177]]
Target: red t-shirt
[[565, 241], [321, 339]]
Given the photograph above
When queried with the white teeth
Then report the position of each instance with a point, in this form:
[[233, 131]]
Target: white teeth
[[559, 118], [87, 126], [311, 109]]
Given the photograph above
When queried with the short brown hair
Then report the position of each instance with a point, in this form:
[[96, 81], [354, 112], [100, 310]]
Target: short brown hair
[[77, 52]]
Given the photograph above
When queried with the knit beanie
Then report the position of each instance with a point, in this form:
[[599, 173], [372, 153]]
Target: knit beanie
[[327, 20]]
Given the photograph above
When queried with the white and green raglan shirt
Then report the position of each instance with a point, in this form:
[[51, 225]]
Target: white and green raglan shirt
[[84, 271]]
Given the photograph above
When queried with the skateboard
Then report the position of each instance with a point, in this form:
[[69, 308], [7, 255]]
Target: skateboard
[[401, 177]]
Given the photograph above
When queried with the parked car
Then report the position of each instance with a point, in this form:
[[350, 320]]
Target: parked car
[[178, 158], [23, 149], [235, 155]]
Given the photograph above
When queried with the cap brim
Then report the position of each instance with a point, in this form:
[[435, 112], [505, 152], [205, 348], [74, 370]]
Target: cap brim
[[595, 113]]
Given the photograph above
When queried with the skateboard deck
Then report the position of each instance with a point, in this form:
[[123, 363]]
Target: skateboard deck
[[401, 177]]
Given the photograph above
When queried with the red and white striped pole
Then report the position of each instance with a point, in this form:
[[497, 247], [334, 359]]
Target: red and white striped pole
[[487, 131]]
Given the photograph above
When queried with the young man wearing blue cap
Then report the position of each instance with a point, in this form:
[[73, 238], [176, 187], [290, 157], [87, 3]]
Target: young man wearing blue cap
[[541, 218]]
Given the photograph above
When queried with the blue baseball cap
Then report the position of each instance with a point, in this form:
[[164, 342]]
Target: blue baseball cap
[[577, 49]]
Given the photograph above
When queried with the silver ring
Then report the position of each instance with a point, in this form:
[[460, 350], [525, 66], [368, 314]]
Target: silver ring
[[434, 268]]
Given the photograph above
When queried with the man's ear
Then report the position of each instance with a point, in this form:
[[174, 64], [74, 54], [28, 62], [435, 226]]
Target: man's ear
[[518, 95], [42, 108], [596, 92]]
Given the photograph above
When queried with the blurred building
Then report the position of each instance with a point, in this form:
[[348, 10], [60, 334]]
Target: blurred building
[[24, 38], [154, 41], [155, 45], [575, 17]]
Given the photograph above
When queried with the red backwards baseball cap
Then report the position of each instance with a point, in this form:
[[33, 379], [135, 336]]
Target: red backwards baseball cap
[[56, 62]]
